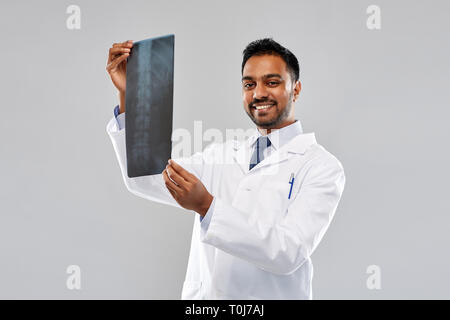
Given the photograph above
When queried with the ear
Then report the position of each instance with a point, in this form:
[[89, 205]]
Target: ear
[[297, 89]]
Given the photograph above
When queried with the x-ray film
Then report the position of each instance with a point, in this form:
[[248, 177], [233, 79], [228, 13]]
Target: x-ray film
[[149, 105]]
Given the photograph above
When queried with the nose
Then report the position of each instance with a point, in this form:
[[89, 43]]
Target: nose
[[260, 92]]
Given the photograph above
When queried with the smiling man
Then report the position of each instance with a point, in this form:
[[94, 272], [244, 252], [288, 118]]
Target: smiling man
[[264, 203], [270, 84]]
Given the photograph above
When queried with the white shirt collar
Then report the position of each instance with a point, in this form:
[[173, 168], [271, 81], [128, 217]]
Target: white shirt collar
[[279, 137]]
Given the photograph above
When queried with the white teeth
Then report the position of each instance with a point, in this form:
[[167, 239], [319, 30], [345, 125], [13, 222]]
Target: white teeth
[[263, 107]]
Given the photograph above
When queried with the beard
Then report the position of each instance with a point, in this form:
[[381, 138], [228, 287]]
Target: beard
[[280, 116]]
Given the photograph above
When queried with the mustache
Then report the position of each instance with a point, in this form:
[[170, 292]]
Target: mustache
[[252, 104]]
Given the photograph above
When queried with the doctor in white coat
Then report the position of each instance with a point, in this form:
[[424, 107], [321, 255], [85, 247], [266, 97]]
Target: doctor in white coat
[[264, 203]]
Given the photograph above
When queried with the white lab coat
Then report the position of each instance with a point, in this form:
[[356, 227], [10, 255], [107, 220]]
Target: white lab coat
[[258, 242]]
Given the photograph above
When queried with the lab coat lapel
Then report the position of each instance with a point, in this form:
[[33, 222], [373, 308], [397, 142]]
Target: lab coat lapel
[[298, 145], [242, 152]]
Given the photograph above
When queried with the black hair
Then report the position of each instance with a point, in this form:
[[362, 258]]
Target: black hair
[[269, 46]]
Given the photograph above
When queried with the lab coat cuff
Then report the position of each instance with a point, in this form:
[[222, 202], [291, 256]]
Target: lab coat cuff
[[121, 120], [112, 128], [223, 218], [204, 221]]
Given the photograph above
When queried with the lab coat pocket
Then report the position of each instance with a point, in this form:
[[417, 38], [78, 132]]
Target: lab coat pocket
[[191, 290]]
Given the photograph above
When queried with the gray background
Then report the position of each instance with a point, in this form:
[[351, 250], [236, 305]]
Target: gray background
[[378, 100]]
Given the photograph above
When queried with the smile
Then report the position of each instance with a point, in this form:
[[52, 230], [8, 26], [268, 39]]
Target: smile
[[263, 107]]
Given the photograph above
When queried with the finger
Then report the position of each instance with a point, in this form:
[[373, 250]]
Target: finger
[[117, 49], [173, 193], [127, 44], [124, 45], [181, 171], [111, 67], [116, 52], [166, 180], [170, 184], [174, 176]]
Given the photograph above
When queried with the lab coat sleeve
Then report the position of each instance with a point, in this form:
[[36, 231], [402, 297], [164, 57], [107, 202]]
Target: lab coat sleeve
[[283, 247], [151, 187]]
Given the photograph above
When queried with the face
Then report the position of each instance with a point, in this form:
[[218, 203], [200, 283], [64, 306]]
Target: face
[[268, 92]]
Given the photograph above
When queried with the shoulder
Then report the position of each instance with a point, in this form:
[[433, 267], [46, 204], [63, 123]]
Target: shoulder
[[324, 167], [323, 157]]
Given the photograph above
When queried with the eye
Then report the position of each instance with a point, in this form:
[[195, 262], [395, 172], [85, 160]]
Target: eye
[[248, 85], [273, 83]]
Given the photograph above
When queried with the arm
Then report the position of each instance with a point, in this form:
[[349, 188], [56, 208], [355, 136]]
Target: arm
[[284, 247], [121, 101], [192, 195], [150, 187]]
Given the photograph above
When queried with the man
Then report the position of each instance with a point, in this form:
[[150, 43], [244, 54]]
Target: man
[[264, 203]]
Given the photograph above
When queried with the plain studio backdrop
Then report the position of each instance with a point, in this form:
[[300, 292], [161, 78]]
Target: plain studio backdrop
[[377, 99]]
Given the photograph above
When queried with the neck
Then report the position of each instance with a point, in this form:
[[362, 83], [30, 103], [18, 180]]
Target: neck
[[266, 131]]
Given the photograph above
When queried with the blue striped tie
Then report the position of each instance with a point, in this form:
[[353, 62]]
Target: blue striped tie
[[258, 155]]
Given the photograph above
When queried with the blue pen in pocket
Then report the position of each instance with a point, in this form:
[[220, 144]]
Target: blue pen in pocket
[[291, 182]]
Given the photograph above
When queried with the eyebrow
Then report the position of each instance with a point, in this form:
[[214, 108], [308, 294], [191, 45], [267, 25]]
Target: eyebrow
[[270, 75]]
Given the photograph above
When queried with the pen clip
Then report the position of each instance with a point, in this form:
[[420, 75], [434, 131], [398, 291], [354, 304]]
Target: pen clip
[[291, 179]]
